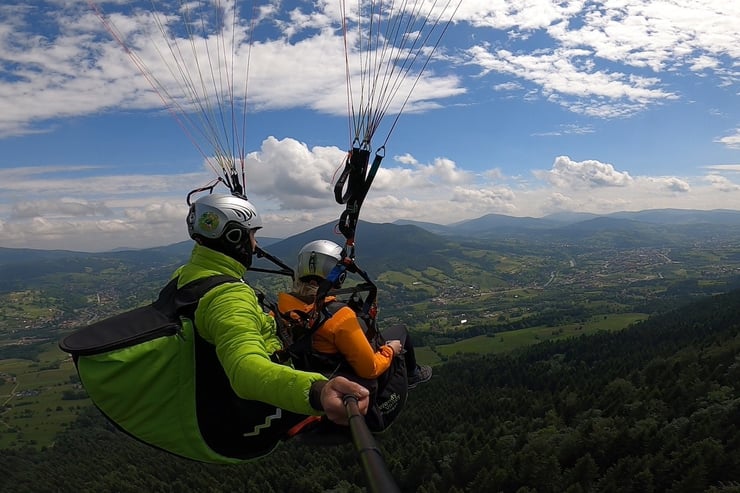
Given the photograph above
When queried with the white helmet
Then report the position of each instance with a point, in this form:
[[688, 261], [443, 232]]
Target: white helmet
[[318, 258], [223, 223], [210, 215]]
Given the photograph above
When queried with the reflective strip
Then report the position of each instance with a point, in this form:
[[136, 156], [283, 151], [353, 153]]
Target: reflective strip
[[268, 422]]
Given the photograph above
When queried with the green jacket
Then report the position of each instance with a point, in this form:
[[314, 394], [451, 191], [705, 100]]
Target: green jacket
[[230, 317]]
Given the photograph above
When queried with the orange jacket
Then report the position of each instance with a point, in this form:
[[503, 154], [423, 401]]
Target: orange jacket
[[343, 334]]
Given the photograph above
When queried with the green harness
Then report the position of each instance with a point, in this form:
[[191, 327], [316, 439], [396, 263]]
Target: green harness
[[139, 368]]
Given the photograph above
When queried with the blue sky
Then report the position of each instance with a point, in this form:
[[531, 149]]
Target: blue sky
[[526, 108]]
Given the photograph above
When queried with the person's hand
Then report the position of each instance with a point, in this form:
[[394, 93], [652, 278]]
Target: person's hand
[[396, 346], [332, 398]]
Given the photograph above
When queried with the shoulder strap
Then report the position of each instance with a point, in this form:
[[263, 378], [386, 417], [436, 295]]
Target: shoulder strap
[[185, 300]]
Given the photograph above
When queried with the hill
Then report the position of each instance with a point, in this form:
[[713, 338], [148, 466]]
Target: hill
[[24, 268], [379, 247]]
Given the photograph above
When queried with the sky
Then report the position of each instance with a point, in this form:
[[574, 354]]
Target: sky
[[525, 108]]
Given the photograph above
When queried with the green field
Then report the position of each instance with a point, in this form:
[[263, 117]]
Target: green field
[[515, 339], [32, 408]]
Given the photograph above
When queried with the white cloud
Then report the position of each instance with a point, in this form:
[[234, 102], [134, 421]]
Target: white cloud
[[671, 184], [732, 141], [566, 77], [492, 199], [517, 16], [507, 86], [558, 201], [58, 182], [80, 70], [566, 173], [657, 34], [607, 59], [65, 207], [722, 183], [724, 167], [568, 129], [290, 173]]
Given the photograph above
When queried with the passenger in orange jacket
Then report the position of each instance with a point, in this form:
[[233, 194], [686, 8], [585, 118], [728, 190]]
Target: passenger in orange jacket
[[343, 333]]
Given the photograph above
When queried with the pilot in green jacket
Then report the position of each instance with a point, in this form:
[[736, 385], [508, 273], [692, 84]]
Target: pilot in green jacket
[[247, 400]]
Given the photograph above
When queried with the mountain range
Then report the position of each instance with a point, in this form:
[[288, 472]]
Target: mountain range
[[417, 245], [563, 224]]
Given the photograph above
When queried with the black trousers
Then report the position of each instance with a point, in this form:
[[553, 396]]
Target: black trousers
[[399, 332]]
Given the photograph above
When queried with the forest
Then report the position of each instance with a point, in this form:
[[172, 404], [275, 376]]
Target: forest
[[652, 408]]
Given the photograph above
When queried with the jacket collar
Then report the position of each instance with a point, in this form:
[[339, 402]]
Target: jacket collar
[[209, 259]]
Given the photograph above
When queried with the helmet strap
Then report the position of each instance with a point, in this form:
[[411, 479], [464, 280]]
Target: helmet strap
[[241, 251]]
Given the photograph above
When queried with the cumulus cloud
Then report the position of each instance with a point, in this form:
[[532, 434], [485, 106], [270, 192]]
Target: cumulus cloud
[[156, 214], [292, 174], [722, 184], [559, 202], [566, 173], [440, 172], [671, 184], [497, 199]]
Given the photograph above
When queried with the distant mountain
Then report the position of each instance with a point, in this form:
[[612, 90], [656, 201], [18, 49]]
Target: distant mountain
[[610, 232], [379, 247], [603, 224], [498, 223], [570, 217], [642, 227], [15, 255], [681, 216], [25, 268], [431, 227]]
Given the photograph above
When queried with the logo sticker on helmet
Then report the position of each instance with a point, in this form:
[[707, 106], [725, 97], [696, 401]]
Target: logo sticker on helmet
[[208, 221]]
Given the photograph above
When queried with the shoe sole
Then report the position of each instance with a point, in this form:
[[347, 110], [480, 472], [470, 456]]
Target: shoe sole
[[416, 384]]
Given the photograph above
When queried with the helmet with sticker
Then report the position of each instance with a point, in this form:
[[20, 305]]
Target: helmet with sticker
[[225, 223]]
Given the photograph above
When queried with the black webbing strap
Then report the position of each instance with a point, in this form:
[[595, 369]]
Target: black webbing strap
[[283, 268], [358, 178], [187, 297]]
